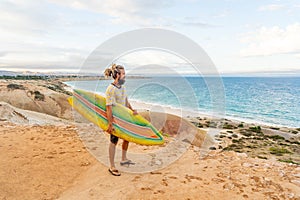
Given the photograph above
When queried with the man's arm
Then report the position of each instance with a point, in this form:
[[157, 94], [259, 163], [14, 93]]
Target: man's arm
[[130, 107], [109, 118]]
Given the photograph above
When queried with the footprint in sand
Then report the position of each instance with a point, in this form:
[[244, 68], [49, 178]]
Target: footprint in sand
[[155, 173], [146, 188], [58, 142], [190, 177], [84, 164], [136, 178], [53, 152], [164, 182], [49, 157], [217, 180], [159, 192]]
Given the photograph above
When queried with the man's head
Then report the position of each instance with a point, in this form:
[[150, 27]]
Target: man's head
[[117, 72], [120, 77]]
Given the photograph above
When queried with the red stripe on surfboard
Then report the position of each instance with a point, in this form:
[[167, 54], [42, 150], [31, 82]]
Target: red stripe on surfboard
[[122, 123]]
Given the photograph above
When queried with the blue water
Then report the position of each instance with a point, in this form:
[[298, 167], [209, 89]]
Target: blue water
[[272, 100]]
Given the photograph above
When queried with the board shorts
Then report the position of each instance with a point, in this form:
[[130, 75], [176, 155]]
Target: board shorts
[[113, 139]]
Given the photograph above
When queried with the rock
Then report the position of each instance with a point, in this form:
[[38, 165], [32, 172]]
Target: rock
[[242, 155], [186, 140], [158, 162], [228, 186], [281, 173], [255, 178], [297, 175], [296, 182], [291, 195], [267, 165], [196, 149], [247, 165]]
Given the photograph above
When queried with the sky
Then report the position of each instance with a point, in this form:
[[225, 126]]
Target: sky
[[240, 36]]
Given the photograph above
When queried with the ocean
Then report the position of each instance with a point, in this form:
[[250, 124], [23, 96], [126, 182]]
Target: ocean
[[268, 100]]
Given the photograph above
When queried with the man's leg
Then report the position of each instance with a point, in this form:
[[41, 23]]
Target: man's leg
[[124, 150], [112, 150]]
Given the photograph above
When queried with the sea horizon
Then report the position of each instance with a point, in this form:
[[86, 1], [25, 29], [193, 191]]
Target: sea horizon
[[254, 74]]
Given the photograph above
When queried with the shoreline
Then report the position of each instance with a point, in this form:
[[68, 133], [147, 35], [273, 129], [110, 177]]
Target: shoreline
[[185, 112]]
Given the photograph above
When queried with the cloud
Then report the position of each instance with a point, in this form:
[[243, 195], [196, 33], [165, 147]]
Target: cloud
[[190, 21], [155, 62], [3, 53], [147, 57], [25, 18], [34, 56], [271, 7], [196, 24], [271, 41], [132, 12], [222, 14], [142, 13], [36, 36]]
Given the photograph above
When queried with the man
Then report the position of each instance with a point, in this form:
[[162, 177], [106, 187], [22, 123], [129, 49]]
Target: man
[[116, 93]]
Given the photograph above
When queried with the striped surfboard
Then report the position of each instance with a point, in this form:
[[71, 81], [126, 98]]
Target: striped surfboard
[[133, 128]]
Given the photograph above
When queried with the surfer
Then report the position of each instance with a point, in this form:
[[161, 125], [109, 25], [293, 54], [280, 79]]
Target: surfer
[[116, 93]]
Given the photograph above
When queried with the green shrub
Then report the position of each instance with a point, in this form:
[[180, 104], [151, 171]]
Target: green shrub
[[275, 137], [246, 133], [278, 151], [241, 125], [38, 96], [294, 132], [288, 161], [256, 129], [200, 125], [228, 126], [13, 86], [262, 157]]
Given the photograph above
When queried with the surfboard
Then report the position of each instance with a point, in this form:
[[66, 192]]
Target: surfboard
[[133, 128]]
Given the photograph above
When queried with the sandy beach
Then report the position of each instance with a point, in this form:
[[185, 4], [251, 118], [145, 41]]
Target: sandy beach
[[46, 153]]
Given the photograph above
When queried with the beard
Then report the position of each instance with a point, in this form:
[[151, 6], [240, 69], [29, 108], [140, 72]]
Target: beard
[[121, 81]]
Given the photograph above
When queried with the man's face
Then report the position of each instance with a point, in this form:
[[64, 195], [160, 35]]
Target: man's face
[[122, 74]]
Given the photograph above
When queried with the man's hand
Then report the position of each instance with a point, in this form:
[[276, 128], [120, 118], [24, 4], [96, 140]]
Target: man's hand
[[110, 129], [134, 112]]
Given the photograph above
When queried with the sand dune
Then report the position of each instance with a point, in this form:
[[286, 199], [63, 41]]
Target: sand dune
[[36, 96]]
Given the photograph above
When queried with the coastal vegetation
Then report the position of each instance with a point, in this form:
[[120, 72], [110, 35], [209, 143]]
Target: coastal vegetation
[[256, 141], [34, 77], [13, 86]]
